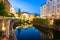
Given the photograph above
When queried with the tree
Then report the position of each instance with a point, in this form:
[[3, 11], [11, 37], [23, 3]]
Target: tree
[[11, 15], [3, 12], [36, 14], [2, 7], [19, 12]]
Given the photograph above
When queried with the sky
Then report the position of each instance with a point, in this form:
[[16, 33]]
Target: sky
[[30, 6]]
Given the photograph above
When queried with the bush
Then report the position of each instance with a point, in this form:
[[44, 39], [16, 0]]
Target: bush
[[3, 12], [22, 21], [11, 15], [41, 21]]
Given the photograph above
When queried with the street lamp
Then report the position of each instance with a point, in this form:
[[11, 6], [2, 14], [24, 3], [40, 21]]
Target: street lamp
[[3, 29]]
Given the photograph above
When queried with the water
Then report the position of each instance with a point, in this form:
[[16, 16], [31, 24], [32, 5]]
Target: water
[[28, 34]]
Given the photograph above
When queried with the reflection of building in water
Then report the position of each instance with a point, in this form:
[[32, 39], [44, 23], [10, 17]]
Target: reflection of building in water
[[52, 9]]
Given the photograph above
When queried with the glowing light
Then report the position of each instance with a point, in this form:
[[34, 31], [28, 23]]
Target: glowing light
[[3, 28]]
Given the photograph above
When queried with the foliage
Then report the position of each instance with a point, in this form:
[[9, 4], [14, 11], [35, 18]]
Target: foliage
[[29, 22], [22, 21], [41, 21], [19, 12], [2, 6], [36, 14], [11, 15], [3, 12]]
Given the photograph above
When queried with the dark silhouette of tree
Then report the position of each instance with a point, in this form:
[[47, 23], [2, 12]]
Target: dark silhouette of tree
[[19, 12], [36, 14]]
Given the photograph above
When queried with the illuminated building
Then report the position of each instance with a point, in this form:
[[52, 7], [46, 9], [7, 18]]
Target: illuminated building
[[31, 16], [43, 10], [25, 15], [52, 9]]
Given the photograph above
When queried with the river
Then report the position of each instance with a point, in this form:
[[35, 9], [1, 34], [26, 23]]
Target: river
[[27, 34]]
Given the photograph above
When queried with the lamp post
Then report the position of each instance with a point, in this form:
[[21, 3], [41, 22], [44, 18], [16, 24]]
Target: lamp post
[[3, 29]]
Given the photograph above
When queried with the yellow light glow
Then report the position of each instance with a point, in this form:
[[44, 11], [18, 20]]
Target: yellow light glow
[[3, 28]]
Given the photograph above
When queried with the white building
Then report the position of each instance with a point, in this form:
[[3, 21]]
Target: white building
[[25, 15], [52, 9], [43, 10]]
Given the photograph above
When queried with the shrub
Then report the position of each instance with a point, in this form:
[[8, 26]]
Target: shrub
[[41, 21]]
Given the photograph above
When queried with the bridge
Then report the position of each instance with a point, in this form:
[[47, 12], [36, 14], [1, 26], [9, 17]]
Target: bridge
[[9, 24], [12, 23]]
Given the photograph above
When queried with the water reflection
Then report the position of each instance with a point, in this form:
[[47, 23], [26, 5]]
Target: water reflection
[[28, 34]]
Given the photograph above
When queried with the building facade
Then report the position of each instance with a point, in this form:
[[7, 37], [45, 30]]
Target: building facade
[[7, 5], [13, 11], [25, 15], [53, 9], [43, 10], [31, 17]]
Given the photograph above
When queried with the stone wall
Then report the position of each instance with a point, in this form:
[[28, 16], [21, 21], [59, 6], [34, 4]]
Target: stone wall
[[7, 24]]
